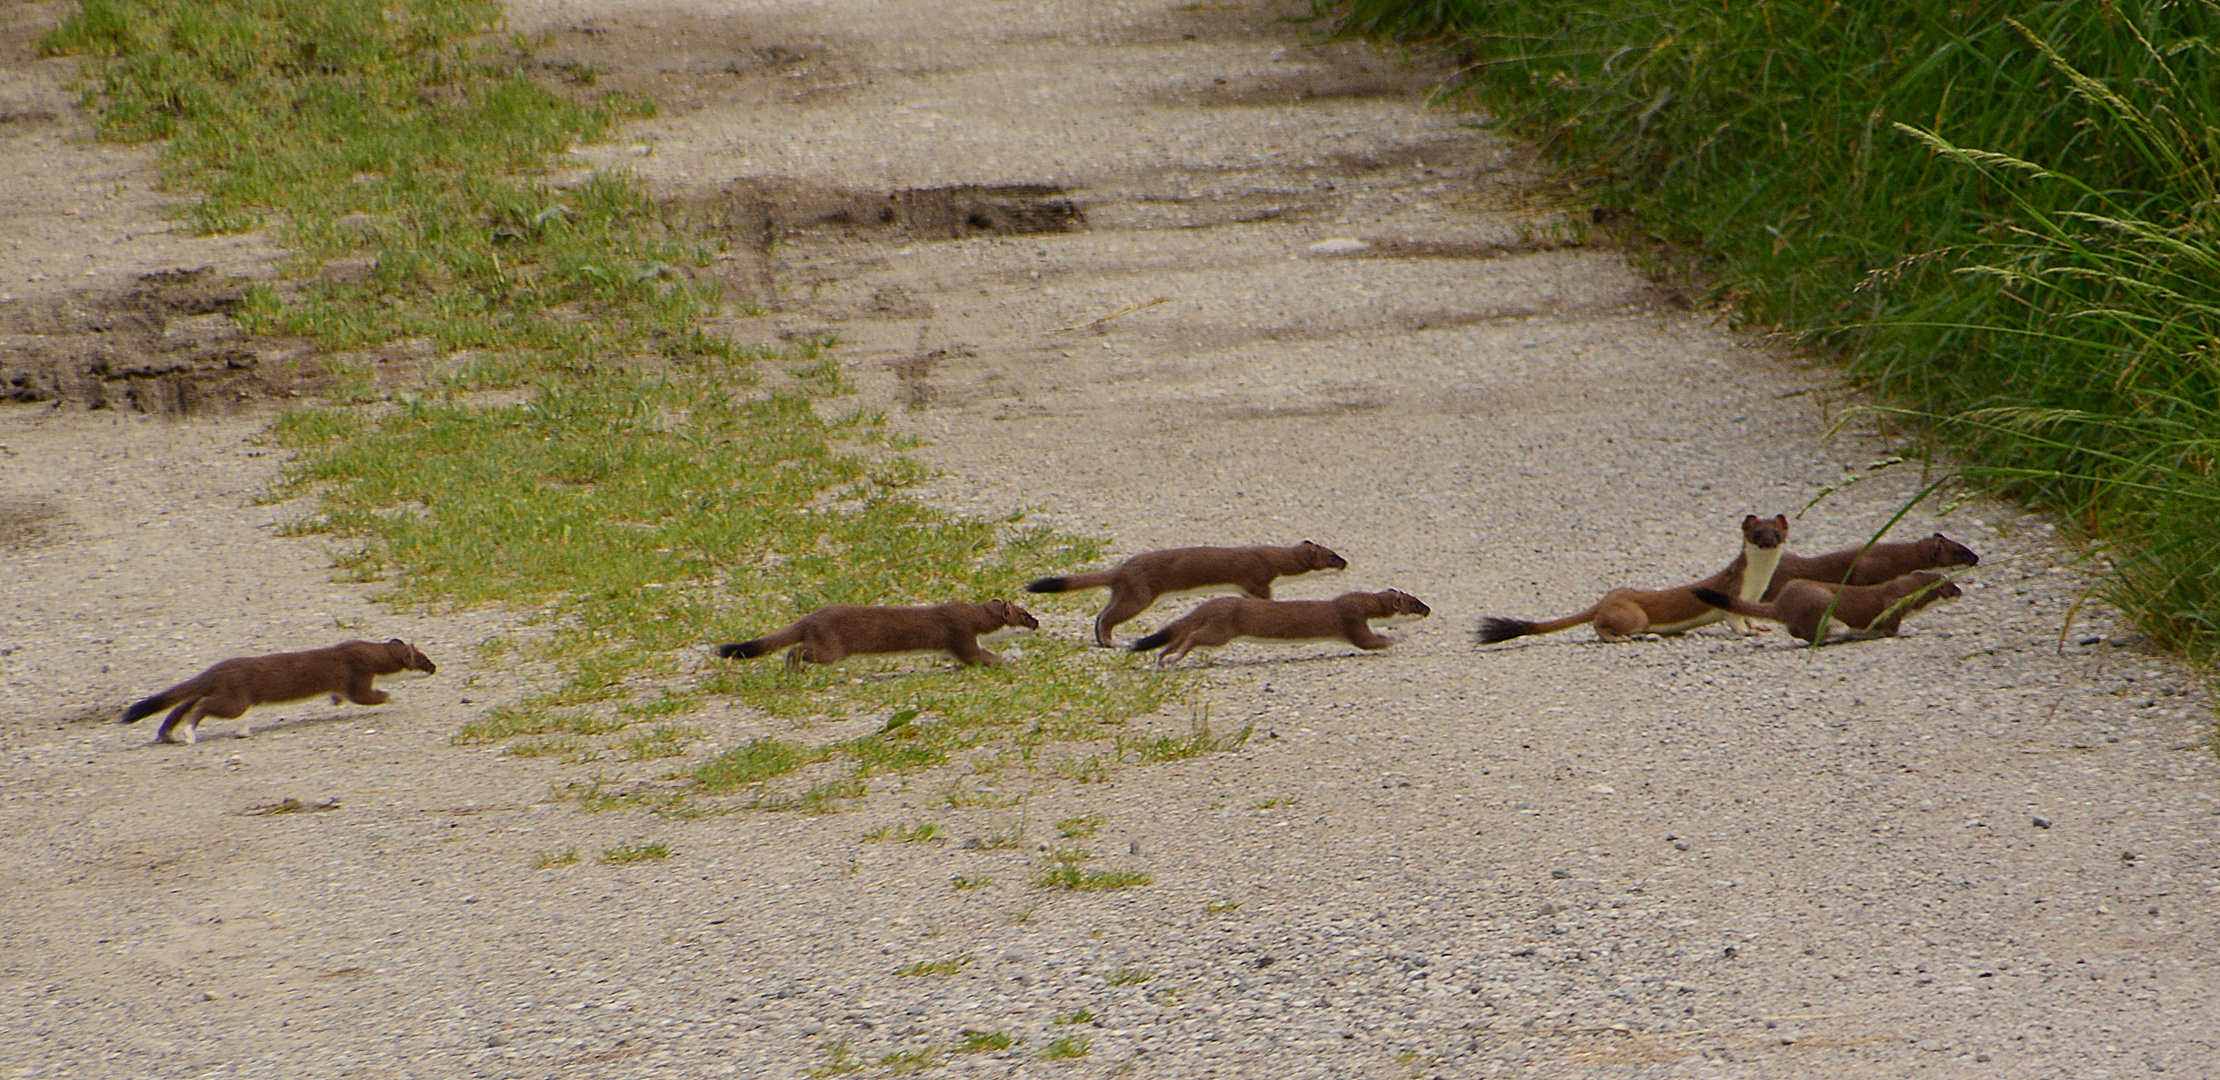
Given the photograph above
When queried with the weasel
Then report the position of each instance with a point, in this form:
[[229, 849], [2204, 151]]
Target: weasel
[[1874, 565], [1145, 578], [831, 634], [1807, 606], [1346, 617], [1623, 613], [233, 686]]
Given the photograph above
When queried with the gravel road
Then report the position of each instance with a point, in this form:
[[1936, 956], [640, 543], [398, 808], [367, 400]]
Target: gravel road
[[1170, 274]]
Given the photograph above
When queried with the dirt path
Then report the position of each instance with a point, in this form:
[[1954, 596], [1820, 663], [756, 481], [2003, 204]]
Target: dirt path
[[1698, 857]]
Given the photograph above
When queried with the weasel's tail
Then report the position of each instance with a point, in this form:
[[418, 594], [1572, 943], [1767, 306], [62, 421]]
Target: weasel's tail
[[149, 706], [1095, 580], [1737, 605], [1156, 640], [1493, 629], [755, 647]]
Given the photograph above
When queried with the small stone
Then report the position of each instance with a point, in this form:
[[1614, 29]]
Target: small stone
[[1339, 245], [2093, 640], [1980, 1057], [1680, 845], [2042, 823], [813, 1028], [497, 1040], [1560, 874]]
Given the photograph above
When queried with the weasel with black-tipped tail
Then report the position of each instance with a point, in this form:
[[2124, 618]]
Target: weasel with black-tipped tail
[[831, 634], [1145, 578], [227, 689], [1347, 617], [1623, 613], [1806, 607]]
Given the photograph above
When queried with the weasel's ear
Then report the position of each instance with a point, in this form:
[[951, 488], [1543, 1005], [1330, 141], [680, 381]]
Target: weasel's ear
[[1781, 521], [998, 606], [396, 641], [1750, 521]]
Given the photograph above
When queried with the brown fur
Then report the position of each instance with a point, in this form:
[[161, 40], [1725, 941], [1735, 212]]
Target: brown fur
[[831, 634], [1872, 566], [233, 686], [1623, 613], [1806, 606], [1141, 580], [1216, 622]]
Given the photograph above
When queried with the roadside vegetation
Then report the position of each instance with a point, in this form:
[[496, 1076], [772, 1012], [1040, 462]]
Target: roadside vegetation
[[580, 437], [2001, 217]]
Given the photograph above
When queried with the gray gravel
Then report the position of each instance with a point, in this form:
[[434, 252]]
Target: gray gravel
[[1698, 857]]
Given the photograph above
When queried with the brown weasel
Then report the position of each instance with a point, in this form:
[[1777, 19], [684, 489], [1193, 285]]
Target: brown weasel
[[1623, 613], [241, 683], [1871, 566], [1807, 606], [1346, 617], [1145, 578], [831, 634]]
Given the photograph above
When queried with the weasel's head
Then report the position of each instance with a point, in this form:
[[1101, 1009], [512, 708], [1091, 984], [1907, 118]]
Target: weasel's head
[[1404, 605], [1011, 614], [411, 660], [1932, 586], [1321, 558], [1769, 532], [1940, 550]]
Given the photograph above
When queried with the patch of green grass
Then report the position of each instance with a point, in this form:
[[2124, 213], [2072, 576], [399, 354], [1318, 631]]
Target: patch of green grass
[[1079, 825], [550, 859], [1131, 976], [1274, 802], [922, 833], [1222, 907], [659, 486], [661, 742], [974, 1042], [904, 1062], [623, 854], [840, 1057], [1083, 1016], [1199, 741], [1061, 869], [2000, 216], [1071, 1045], [965, 882], [949, 966]]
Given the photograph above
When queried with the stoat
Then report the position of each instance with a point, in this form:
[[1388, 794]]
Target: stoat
[[1346, 617], [233, 686], [1806, 606], [1143, 579], [1623, 613], [834, 633]]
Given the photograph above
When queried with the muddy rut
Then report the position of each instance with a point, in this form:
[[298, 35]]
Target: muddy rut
[[1169, 274]]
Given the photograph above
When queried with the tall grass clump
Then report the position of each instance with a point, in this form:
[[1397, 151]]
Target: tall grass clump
[[1999, 215], [648, 487]]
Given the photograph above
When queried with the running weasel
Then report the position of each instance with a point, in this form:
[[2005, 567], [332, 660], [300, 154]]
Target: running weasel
[[1346, 617], [1143, 579], [1623, 613], [233, 686], [831, 634], [1874, 565], [1875, 609]]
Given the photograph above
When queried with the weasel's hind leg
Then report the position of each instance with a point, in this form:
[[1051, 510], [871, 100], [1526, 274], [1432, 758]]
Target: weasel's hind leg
[[177, 716], [1124, 605], [1619, 617]]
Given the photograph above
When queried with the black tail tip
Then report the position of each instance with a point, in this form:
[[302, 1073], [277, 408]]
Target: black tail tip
[[1713, 597], [1494, 630], [740, 650], [1153, 641], [1047, 584], [141, 710]]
